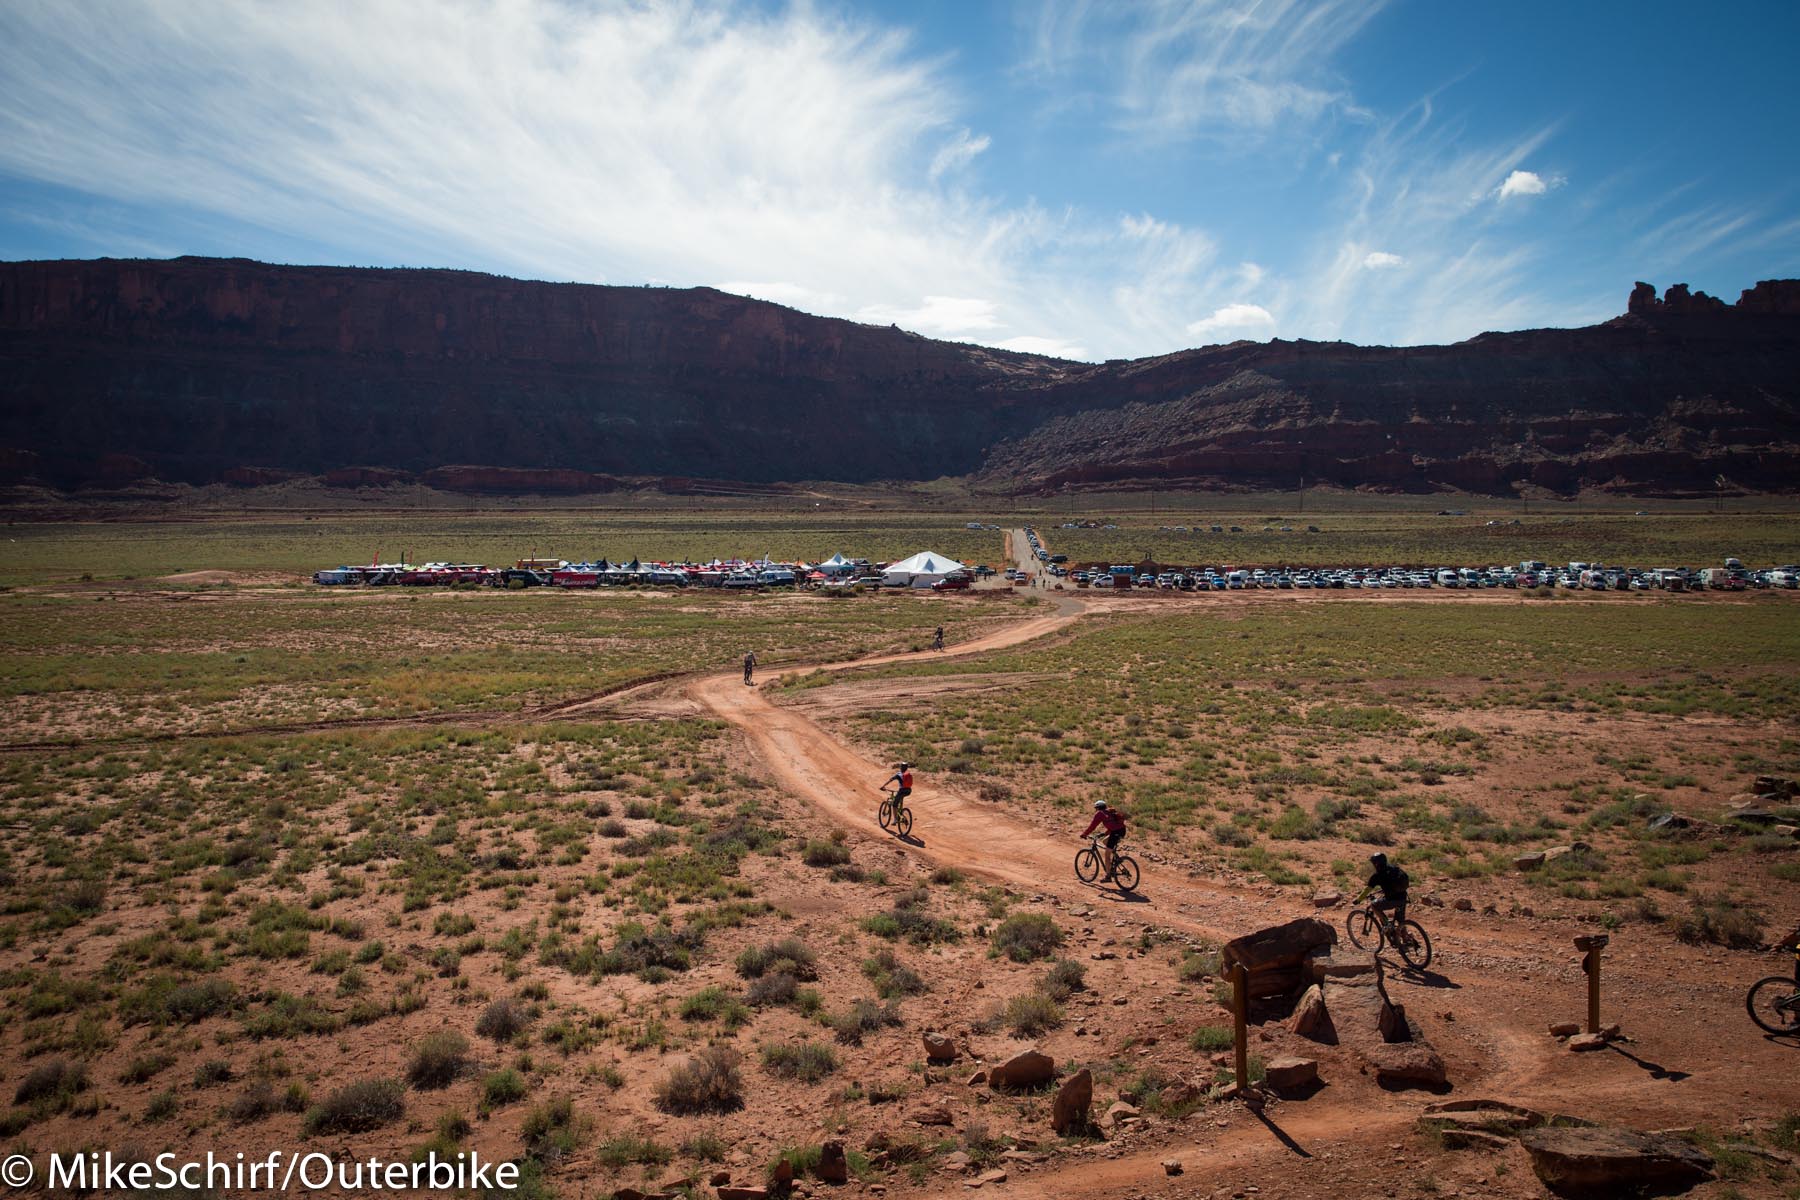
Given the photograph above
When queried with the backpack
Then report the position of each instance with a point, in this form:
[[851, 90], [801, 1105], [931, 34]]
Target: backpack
[[1397, 878]]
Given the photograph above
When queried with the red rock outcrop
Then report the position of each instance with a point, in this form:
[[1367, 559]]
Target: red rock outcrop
[[189, 369]]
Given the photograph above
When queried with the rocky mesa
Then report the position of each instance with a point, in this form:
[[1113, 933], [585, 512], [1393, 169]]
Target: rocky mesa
[[209, 370]]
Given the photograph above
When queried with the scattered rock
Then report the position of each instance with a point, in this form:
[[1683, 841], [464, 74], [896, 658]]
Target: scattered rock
[[1605, 1160], [978, 1078], [1312, 1020], [1488, 1115], [1471, 1139], [1563, 1029], [1120, 1113], [1463, 904], [1028, 1069], [987, 1177], [1327, 899], [1407, 1064], [1529, 862], [833, 1167], [1069, 1113], [955, 1163], [939, 1048], [1291, 1075], [1334, 966], [931, 1116], [1171, 1166], [719, 1178], [1583, 1042], [740, 1192], [1176, 1095]]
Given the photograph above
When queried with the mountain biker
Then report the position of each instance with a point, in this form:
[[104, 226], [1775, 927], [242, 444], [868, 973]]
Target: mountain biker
[[1392, 882], [937, 641], [1115, 832], [902, 777], [749, 665]]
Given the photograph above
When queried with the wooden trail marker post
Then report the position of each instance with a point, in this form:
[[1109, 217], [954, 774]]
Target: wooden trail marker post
[[1591, 946], [1240, 1027]]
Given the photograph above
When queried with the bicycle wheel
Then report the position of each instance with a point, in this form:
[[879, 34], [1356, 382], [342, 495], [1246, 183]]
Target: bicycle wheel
[[1414, 945], [1364, 929], [1774, 1004], [885, 814], [1125, 873], [1087, 865], [903, 824]]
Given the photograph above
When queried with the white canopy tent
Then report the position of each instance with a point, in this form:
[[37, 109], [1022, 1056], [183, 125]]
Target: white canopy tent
[[837, 564], [921, 570]]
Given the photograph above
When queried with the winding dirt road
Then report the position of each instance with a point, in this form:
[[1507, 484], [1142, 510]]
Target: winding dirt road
[[1503, 979]]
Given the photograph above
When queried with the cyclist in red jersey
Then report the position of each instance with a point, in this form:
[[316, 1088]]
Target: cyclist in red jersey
[[1115, 831]]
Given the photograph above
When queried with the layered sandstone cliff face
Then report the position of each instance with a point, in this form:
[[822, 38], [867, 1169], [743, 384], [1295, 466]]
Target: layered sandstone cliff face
[[203, 370]]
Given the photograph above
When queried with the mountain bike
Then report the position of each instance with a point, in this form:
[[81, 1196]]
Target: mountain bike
[[894, 816], [1370, 928], [1774, 1002], [1089, 858]]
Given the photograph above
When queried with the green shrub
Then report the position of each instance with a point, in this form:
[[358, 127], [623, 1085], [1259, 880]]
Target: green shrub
[[819, 853], [707, 1083], [808, 1062], [552, 1132], [1721, 922], [863, 1017], [1211, 1038], [1027, 937], [440, 1058], [1032, 1014], [891, 977], [1063, 980], [505, 1086], [715, 1004], [504, 1019], [358, 1108]]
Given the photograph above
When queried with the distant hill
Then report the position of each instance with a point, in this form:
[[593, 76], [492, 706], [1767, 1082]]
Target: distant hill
[[201, 370]]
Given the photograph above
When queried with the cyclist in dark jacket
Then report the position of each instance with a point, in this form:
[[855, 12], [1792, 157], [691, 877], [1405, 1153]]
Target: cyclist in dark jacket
[[1392, 883]]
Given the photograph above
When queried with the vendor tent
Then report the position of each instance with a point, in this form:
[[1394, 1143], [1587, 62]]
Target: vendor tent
[[837, 564], [921, 570]]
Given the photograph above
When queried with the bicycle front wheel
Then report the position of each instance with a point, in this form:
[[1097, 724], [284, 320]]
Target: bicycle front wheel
[[1364, 929], [885, 814], [1414, 945], [1125, 873], [1774, 1004], [903, 822], [1087, 865]]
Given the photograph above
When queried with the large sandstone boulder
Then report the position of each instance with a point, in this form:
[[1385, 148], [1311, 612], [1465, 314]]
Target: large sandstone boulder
[[1606, 1161], [1069, 1114], [1407, 1064], [940, 1048], [833, 1166], [1312, 1020], [1027, 1070], [1291, 1076], [1489, 1115]]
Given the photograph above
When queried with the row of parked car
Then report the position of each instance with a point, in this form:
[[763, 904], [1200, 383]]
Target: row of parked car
[[1575, 576]]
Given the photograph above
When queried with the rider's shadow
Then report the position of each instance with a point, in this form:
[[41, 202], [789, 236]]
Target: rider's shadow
[[1119, 896], [1414, 975]]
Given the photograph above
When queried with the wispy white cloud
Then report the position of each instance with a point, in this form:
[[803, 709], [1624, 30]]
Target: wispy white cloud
[[959, 151], [796, 155], [1177, 68], [1234, 320], [1380, 260]]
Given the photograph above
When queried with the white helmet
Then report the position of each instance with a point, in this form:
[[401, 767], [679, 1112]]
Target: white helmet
[[1099, 804]]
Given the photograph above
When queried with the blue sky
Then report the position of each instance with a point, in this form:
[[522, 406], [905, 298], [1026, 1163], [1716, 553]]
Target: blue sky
[[1098, 180]]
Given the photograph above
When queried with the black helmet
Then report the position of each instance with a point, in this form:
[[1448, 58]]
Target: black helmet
[[1099, 804], [902, 766], [1379, 860]]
